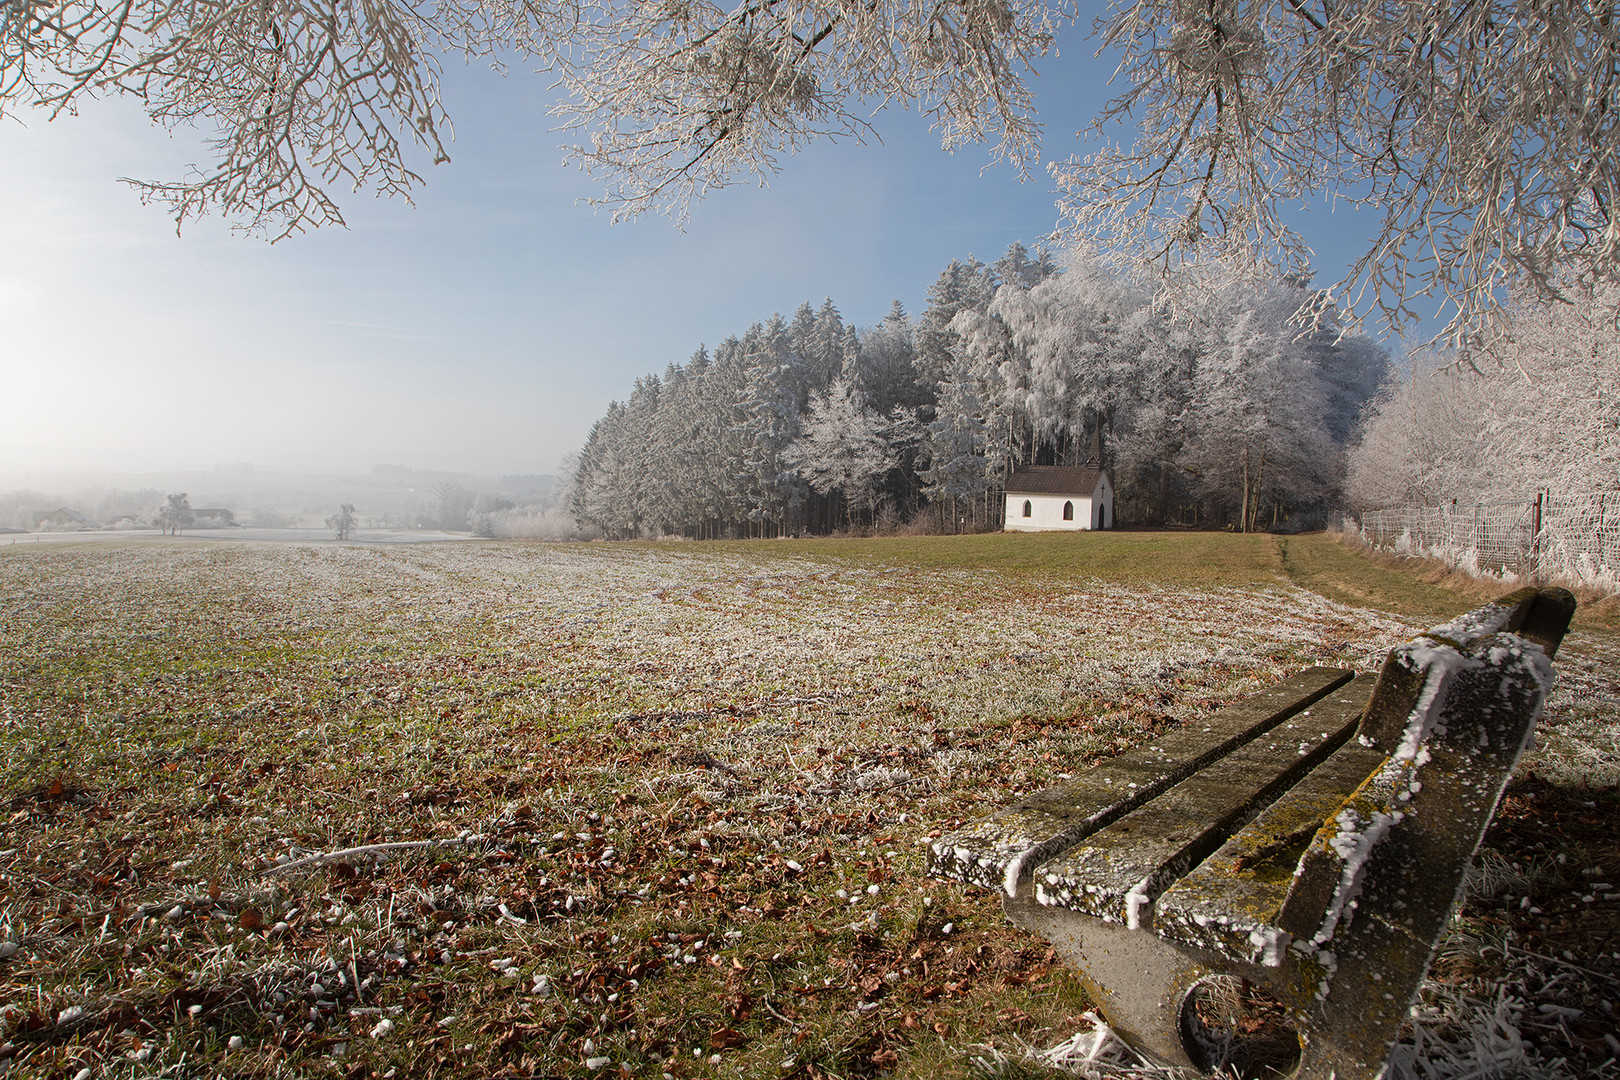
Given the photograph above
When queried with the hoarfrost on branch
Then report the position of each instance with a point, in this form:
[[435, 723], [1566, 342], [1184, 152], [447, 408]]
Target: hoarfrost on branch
[[1481, 135]]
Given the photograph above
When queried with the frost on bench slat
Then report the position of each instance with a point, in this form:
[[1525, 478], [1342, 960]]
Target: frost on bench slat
[[1000, 851], [1441, 783], [1538, 615], [1118, 872]]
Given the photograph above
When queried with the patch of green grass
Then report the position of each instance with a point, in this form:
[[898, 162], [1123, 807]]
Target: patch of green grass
[[1350, 575], [1201, 560], [1419, 589]]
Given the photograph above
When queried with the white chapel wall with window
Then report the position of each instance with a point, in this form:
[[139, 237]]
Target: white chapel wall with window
[[1055, 498]]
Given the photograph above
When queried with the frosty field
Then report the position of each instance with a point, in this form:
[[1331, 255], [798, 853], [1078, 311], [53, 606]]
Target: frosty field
[[681, 793]]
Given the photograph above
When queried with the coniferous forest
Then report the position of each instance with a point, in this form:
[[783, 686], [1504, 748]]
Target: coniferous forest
[[1210, 402]]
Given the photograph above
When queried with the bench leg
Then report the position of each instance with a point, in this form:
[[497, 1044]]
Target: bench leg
[[1349, 1036], [1140, 983], [1137, 979]]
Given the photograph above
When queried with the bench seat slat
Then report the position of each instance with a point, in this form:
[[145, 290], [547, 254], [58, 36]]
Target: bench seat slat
[[1229, 903], [1117, 872], [1000, 851]]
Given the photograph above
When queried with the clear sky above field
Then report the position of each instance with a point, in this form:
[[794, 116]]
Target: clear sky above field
[[483, 329]]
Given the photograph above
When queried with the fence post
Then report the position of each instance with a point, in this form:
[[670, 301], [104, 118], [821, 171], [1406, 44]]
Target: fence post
[[1535, 540]]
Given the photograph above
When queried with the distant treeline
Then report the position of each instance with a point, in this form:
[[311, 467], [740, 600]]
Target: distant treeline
[[1207, 400]]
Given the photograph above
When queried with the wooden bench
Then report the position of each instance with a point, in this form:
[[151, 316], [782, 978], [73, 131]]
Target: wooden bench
[[1312, 840]]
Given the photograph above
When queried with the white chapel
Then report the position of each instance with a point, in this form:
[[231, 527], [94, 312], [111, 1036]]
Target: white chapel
[[1050, 498]]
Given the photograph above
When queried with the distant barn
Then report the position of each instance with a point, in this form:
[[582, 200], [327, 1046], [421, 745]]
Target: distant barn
[[1049, 498]]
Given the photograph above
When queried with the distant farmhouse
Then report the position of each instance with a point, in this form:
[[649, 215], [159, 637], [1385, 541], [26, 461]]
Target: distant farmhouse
[[63, 518], [1052, 498]]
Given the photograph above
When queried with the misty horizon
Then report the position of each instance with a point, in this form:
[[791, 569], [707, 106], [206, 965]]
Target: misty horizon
[[386, 496]]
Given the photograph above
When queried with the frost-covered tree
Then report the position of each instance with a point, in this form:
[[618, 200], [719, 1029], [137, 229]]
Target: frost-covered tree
[[1481, 136], [175, 514], [596, 500], [1019, 269], [342, 523], [1080, 356], [885, 365], [452, 503], [1549, 417], [958, 472], [963, 285], [728, 433], [1258, 431], [829, 349], [843, 449], [777, 398], [677, 433]]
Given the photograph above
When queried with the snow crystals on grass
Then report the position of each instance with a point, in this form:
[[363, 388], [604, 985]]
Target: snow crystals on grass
[[470, 808]]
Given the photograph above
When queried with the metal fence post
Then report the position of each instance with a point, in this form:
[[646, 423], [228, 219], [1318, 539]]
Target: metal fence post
[[1602, 523], [1535, 540]]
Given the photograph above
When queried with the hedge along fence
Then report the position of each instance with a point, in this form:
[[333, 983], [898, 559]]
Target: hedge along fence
[[1550, 538]]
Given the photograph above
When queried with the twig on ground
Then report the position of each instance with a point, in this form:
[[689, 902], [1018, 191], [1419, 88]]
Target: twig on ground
[[368, 849], [1562, 963]]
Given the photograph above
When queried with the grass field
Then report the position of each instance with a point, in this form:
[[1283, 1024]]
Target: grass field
[[668, 802]]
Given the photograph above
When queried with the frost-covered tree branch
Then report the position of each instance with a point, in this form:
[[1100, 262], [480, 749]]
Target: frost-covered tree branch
[[678, 97], [1484, 135], [303, 98], [669, 99]]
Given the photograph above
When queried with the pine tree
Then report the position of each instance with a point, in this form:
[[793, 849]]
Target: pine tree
[[962, 285], [885, 365], [777, 395]]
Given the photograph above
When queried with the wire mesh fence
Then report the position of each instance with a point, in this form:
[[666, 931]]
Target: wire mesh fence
[[1571, 538]]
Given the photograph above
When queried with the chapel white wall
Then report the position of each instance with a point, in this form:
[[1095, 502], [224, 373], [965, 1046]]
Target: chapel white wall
[[1046, 513]]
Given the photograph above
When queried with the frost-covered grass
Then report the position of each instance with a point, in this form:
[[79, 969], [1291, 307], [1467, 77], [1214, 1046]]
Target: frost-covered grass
[[683, 793]]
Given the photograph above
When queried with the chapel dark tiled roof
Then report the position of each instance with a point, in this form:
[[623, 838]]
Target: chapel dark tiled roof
[[1054, 480]]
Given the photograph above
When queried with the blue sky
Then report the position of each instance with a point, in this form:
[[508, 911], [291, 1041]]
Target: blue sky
[[482, 329]]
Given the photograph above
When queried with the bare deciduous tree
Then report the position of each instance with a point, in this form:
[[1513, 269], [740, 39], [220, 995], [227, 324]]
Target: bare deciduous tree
[[175, 514], [452, 503], [343, 522]]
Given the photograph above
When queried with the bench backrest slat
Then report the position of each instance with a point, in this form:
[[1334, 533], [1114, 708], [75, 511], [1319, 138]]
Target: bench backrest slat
[[1538, 615], [1442, 781], [1393, 862]]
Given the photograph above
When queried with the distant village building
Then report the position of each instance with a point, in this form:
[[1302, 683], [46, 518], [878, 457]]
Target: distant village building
[[1053, 498], [63, 518]]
